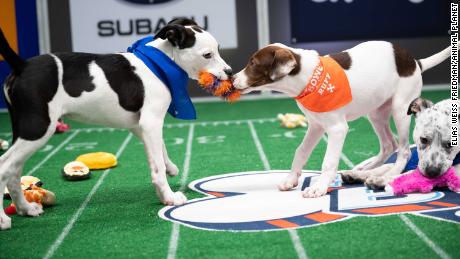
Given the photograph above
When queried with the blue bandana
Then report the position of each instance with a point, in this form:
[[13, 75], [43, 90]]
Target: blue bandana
[[413, 161], [174, 77]]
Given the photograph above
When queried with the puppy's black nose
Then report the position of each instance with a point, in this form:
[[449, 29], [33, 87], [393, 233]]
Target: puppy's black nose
[[228, 71], [432, 171]]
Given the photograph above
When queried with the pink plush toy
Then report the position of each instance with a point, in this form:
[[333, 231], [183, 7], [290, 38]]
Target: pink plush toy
[[417, 182], [61, 127]]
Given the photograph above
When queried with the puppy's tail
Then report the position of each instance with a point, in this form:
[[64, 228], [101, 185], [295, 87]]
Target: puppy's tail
[[434, 60], [13, 59]]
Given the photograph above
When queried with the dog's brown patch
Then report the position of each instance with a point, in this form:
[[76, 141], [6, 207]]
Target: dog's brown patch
[[405, 63], [262, 64], [342, 58]]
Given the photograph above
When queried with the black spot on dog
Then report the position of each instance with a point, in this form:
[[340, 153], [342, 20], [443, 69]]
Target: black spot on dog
[[342, 58], [123, 80], [183, 21], [197, 28], [76, 78], [30, 92], [405, 63], [178, 35]]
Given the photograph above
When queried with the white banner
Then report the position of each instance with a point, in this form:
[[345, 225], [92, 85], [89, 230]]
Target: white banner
[[104, 26]]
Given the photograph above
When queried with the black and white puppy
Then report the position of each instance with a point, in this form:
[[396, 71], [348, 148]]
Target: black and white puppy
[[115, 90], [432, 137]]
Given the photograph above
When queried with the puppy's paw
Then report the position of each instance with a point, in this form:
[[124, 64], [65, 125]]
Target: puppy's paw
[[5, 222], [315, 191], [376, 182], [174, 199], [349, 177], [172, 170], [32, 209], [289, 183]]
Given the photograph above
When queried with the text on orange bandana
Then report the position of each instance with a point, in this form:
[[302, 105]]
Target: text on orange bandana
[[328, 88]]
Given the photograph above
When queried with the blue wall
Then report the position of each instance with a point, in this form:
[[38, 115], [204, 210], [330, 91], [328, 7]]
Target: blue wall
[[367, 19], [26, 26]]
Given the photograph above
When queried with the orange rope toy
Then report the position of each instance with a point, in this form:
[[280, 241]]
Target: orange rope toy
[[217, 87]]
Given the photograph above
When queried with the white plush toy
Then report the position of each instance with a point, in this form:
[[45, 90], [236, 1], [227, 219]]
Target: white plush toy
[[4, 144], [292, 120]]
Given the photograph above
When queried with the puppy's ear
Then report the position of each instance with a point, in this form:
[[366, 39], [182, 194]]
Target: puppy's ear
[[418, 105], [178, 35], [283, 64]]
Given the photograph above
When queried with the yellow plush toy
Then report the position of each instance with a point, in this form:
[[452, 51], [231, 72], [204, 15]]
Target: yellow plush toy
[[98, 160], [292, 120]]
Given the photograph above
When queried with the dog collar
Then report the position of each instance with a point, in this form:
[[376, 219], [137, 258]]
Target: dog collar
[[328, 88], [173, 76]]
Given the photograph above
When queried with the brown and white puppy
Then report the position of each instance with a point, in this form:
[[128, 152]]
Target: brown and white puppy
[[383, 77]]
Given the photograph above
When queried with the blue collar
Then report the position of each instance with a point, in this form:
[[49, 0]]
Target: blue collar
[[174, 77]]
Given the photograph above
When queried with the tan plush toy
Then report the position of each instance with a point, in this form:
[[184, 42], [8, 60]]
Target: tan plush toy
[[292, 120]]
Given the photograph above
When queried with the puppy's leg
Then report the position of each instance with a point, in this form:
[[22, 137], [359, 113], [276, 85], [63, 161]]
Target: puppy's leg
[[171, 168], [10, 175], [311, 139], [152, 134], [402, 122], [352, 176], [5, 221], [380, 120], [336, 134]]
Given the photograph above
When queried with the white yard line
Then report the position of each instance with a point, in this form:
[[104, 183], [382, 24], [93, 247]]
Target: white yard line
[[52, 249], [52, 153], [259, 146], [441, 253], [174, 239], [300, 250], [178, 125]]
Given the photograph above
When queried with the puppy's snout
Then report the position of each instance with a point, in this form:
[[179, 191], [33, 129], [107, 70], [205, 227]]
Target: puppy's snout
[[228, 72], [432, 171]]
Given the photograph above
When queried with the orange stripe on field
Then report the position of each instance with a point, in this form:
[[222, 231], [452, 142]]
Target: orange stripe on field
[[8, 23], [330, 189], [444, 204], [281, 223], [393, 209], [323, 217], [217, 194]]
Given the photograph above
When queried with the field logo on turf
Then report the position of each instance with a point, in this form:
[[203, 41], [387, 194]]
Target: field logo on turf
[[250, 201]]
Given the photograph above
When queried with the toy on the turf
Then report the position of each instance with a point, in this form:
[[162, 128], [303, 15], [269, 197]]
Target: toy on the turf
[[217, 87], [75, 171], [292, 120], [417, 182], [35, 194], [61, 127], [27, 182], [98, 160], [4, 145]]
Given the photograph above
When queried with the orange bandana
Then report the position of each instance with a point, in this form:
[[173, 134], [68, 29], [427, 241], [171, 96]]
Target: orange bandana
[[328, 88]]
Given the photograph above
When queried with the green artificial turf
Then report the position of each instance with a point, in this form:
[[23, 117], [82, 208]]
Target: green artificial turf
[[120, 220]]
